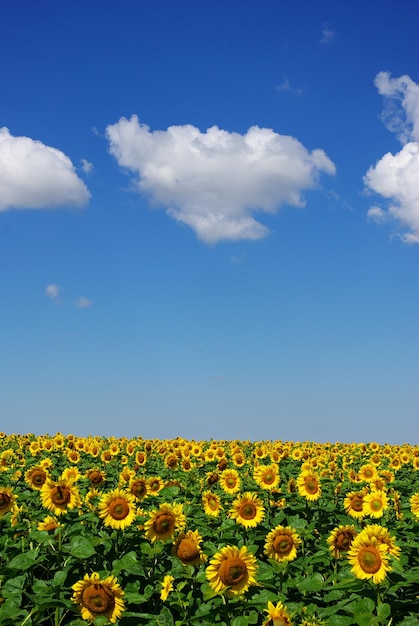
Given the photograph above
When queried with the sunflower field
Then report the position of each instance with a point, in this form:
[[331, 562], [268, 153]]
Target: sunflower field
[[176, 532]]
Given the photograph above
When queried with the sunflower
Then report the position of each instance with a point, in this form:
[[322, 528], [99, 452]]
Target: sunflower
[[281, 543], [211, 503], [59, 497], [187, 548], [155, 484], [232, 570], [48, 523], [164, 522], [230, 481], [71, 474], [368, 472], [277, 615], [340, 540], [375, 503], [117, 509], [248, 510], [97, 597], [414, 504], [353, 503], [369, 558], [35, 477], [138, 488], [267, 476], [166, 587], [7, 501], [383, 536], [308, 485], [96, 477]]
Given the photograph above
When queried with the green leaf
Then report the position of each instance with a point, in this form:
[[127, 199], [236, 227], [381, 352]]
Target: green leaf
[[239, 621], [313, 583], [80, 547], [24, 561]]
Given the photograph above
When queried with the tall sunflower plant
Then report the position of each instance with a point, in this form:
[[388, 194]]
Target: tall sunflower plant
[[132, 531]]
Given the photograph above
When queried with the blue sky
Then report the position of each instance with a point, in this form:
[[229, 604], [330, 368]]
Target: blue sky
[[209, 219]]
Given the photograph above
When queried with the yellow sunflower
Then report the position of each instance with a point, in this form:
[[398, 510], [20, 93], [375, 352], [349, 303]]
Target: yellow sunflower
[[281, 543], [166, 587], [230, 481], [138, 487], [232, 570], [367, 472], [155, 484], [35, 477], [369, 558], [308, 484], [71, 474], [97, 597], [340, 540], [383, 536], [187, 548], [7, 501], [96, 477], [211, 503], [353, 503], [164, 522], [267, 476], [248, 510], [117, 509], [48, 523], [375, 503], [277, 615], [59, 497], [414, 504]]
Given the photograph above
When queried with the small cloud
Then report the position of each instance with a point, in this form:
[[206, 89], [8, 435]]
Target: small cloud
[[376, 214], [328, 34], [286, 86], [52, 291], [36, 176], [86, 166], [83, 303], [238, 259]]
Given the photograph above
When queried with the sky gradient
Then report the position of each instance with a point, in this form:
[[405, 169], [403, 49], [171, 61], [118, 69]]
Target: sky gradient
[[209, 219]]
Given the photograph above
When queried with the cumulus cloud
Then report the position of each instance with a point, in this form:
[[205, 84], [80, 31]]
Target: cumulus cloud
[[83, 303], [215, 181], [52, 291], [86, 166], [36, 176], [395, 176]]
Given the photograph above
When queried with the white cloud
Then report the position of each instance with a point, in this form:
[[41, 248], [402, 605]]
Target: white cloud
[[214, 181], [328, 34], [36, 176], [395, 176], [86, 166], [401, 105], [52, 291], [83, 303], [286, 86]]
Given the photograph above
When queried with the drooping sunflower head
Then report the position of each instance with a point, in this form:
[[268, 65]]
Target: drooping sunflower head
[[247, 510], [49, 523], [340, 540], [164, 522], [277, 615], [282, 543], [97, 597], [35, 477], [96, 477], [414, 504], [117, 509], [232, 571], [187, 548]]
